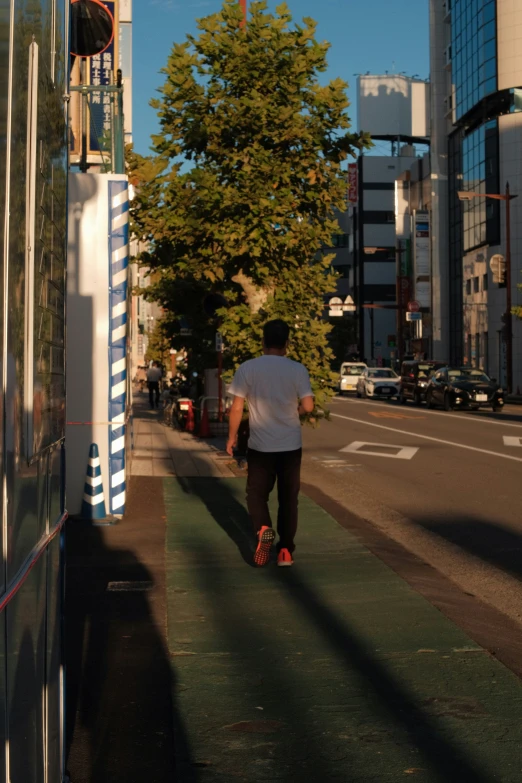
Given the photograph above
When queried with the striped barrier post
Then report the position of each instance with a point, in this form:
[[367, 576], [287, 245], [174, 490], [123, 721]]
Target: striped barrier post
[[93, 504], [119, 259]]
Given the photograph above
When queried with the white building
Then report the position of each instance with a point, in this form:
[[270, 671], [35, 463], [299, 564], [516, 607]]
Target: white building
[[393, 109]]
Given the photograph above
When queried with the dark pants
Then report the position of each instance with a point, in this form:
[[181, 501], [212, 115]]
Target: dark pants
[[154, 393], [264, 467]]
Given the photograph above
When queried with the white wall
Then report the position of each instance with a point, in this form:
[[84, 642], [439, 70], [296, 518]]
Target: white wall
[[509, 43], [392, 106], [88, 381]]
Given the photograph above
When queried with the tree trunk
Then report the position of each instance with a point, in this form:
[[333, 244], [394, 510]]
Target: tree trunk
[[255, 296]]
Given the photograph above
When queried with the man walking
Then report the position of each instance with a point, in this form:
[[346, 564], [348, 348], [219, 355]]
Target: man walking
[[153, 379], [277, 391]]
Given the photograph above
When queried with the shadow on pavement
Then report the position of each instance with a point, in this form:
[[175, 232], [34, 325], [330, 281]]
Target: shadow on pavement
[[400, 708], [231, 515], [121, 720], [493, 543], [442, 756]]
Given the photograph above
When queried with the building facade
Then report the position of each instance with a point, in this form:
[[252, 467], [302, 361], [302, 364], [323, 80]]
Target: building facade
[[373, 248], [413, 229], [394, 109], [476, 76]]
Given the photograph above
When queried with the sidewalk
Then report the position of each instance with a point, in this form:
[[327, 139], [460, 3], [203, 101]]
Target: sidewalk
[[333, 670], [160, 450]]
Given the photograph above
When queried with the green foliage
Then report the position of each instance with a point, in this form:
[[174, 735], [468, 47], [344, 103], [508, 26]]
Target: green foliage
[[158, 348], [265, 141], [517, 310]]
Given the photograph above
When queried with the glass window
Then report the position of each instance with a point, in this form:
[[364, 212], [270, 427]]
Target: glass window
[[474, 52], [480, 175]]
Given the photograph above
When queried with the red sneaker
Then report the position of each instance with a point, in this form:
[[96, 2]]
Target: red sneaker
[[284, 558], [265, 539]]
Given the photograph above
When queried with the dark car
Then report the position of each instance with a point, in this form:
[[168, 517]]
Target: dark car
[[464, 387], [415, 376]]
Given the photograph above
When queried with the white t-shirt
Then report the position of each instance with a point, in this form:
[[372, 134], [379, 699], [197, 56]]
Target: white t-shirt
[[272, 385], [153, 374]]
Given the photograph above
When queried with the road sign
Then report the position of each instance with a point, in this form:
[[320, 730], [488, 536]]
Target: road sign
[[338, 307], [349, 305], [414, 316], [413, 307], [219, 342], [497, 264]]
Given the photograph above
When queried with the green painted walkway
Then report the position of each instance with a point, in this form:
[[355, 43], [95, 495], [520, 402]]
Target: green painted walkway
[[333, 670]]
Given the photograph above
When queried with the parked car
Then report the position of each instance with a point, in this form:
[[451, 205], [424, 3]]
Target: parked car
[[415, 377], [378, 382], [464, 387], [349, 375]]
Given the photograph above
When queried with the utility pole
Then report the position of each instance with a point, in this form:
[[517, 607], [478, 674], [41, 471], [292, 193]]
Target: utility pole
[[509, 318]]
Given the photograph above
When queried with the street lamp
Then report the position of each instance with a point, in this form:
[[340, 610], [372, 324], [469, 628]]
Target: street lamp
[[467, 195]]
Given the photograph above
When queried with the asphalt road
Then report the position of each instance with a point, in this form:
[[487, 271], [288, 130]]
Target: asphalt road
[[447, 486]]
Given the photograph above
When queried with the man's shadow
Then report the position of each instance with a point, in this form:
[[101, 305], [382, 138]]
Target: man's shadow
[[230, 514]]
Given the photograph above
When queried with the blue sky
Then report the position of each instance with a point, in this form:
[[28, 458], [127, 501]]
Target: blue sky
[[365, 35]]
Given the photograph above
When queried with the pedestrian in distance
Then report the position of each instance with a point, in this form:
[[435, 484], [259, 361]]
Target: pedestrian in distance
[[153, 379], [277, 391]]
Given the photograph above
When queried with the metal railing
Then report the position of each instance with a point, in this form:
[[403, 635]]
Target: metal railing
[[97, 127]]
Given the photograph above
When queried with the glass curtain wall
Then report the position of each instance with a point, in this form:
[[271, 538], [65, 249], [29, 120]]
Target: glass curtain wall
[[474, 52]]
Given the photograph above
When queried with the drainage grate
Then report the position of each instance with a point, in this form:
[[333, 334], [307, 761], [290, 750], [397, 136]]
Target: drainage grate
[[129, 587]]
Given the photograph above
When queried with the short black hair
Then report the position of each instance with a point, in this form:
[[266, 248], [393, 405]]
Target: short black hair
[[276, 333]]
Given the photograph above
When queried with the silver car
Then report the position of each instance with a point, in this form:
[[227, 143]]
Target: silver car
[[378, 382]]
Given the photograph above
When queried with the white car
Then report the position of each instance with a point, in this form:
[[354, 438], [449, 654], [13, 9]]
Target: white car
[[349, 375], [378, 382]]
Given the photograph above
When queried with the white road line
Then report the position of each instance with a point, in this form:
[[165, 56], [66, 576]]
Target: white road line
[[428, 437], [424, 410], [403, 452], [509, 440]]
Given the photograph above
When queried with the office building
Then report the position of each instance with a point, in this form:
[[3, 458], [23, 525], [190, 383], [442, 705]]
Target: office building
[[413, 194], [476, 74], [395, 111]]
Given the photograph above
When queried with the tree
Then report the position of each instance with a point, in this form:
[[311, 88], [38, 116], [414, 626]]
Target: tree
[[250, 218], [158, 348]]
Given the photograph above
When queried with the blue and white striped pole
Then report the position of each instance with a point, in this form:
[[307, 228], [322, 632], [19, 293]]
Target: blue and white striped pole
[[93, 505], [118, 292]]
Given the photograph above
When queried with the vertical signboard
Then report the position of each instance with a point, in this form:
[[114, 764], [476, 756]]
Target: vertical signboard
[[102, 68], [352, 184], [421, 258], [404, 288]]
